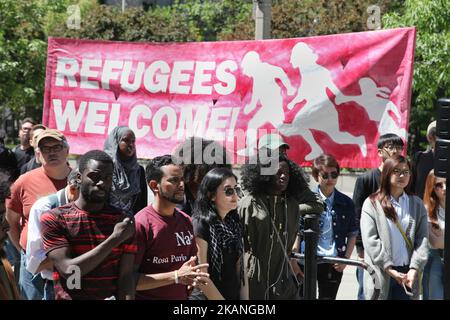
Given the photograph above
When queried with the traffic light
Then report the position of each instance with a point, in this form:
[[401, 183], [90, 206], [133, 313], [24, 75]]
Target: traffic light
[[442, 169], [442, 148]]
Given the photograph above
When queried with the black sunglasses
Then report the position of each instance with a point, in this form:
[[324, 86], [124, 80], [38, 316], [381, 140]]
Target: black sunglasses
[[229, 191], [440, 185], [331, 175], [48, 149]]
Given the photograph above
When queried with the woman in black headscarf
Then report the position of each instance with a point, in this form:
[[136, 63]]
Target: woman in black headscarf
[[129, 189]]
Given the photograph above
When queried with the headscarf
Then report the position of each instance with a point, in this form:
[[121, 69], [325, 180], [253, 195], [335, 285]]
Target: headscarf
[[126, 179]]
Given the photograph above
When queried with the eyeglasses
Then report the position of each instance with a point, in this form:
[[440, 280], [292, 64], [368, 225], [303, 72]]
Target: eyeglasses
[[48, 149], [440, 185], [391, 147], [398, 173], [331, 175], [230, 191]]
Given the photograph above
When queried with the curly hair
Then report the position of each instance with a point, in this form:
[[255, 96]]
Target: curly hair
[[256, 183], [190, 154]]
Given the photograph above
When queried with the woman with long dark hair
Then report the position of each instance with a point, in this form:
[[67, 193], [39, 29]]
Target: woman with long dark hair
[[394, 234], [218, 235], [129, 189], [434, 200]]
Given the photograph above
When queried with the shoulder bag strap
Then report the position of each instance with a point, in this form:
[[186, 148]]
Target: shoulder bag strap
[[407, 240]]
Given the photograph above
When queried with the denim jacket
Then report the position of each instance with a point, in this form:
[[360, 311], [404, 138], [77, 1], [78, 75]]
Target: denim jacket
[[344, 222]]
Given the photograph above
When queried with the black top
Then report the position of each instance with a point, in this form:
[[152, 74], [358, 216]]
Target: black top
[[188, 205], [365, 185], [228, 282], [8, 162], [23, 156], [423, 162], [141, 198], [30, 165]]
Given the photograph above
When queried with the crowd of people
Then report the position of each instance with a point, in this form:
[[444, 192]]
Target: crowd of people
[[89, 233]]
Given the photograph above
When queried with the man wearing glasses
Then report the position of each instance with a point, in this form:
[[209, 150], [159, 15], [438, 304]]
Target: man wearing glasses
[[389, 146], [24, 151], [35, 184]]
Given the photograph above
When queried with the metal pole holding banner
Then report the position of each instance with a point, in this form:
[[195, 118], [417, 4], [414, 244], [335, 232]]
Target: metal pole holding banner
[[442, 169], [263, 18], [311, 236]]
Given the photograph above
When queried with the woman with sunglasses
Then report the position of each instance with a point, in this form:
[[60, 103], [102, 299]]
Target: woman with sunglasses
[[394, 233], [434, 199], [218, 235], [338, 229]]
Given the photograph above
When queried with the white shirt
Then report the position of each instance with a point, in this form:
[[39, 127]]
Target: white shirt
[[326, 246], [441, 218], [400, 255], [35, 247]]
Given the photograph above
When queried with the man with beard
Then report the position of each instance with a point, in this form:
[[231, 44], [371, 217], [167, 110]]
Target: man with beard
[[35, 184], [90, 243], [24, 151], [165, 237], [34, 162]]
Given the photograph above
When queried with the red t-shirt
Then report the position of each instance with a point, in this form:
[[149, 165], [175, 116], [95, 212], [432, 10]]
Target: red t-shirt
[[26, 191], [69, 226], [164, 244]]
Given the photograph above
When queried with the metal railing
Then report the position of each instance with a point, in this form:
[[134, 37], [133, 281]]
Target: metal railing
[[376, 281]]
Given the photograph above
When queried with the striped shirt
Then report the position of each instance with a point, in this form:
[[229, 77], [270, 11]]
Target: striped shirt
[[69, 226]]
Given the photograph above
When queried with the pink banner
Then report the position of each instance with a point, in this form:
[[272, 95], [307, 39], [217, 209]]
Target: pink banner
[[335, 94]]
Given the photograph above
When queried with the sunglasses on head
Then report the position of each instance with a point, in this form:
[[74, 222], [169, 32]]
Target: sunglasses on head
[[440, 185], [229, 191], [331, 175]]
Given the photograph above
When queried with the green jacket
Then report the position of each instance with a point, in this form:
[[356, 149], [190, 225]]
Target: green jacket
[[269, 274]]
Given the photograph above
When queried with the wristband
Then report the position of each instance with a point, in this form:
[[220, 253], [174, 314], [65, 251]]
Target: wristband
[[177, 281]]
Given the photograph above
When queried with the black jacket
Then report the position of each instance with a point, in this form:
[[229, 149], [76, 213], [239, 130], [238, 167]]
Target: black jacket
[[365, 185]]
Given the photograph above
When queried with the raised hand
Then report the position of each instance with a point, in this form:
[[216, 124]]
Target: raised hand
[[124, 230]]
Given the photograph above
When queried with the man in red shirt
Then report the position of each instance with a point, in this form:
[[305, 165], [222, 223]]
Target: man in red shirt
[[91, 243], [165, 237], [37, 183]]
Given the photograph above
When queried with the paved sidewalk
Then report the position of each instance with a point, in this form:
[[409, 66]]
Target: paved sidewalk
[[348, 289]]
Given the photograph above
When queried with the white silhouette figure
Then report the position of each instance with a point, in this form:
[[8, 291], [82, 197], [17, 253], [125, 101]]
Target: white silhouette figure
[[375, 100], [318, 113], [267, 92]]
